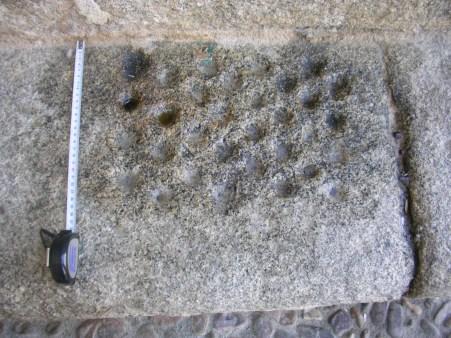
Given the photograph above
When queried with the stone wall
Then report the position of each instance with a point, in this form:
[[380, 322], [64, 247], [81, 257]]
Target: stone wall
[[108, 21]]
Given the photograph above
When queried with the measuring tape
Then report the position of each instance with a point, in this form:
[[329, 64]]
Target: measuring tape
[[62, 248]]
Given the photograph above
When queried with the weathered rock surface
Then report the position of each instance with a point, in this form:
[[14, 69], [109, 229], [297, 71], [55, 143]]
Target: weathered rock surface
[[230, 241], [421, 81], [263, 20]]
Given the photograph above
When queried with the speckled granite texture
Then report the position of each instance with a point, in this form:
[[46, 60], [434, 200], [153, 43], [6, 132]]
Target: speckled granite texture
[[51, 22], [421, 79], [239, 179]]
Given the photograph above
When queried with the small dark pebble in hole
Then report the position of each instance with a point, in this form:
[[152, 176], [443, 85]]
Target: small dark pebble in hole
[[127, 183], [334, 121], [223, 195], [167, 118], [207, 68], [311, 67], [282, 188], [256, 100], [309, 99], [253, 132], [129, 101], [126, 140], [162, 152], [259, 67], [231, 80], [161, 196], [337, 154], [285, 83], [282, 151], [339, 87], [167, 114], [282, 115], [191, 176], [253, 166], [219, 110], [223, 151], [310, 171], [134, 63]]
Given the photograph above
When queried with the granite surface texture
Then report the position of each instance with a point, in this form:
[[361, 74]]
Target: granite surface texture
[[49, 22], [421, 80], [212, 179]]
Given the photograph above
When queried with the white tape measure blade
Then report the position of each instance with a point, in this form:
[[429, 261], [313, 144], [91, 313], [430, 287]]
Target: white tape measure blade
[[71, 208]]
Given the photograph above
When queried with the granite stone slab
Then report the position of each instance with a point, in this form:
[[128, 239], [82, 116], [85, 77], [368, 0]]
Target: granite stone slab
[[51, 22], [421, 74], [212, 179]]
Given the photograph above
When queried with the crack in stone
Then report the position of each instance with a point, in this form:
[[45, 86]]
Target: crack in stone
[[399, 130]]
